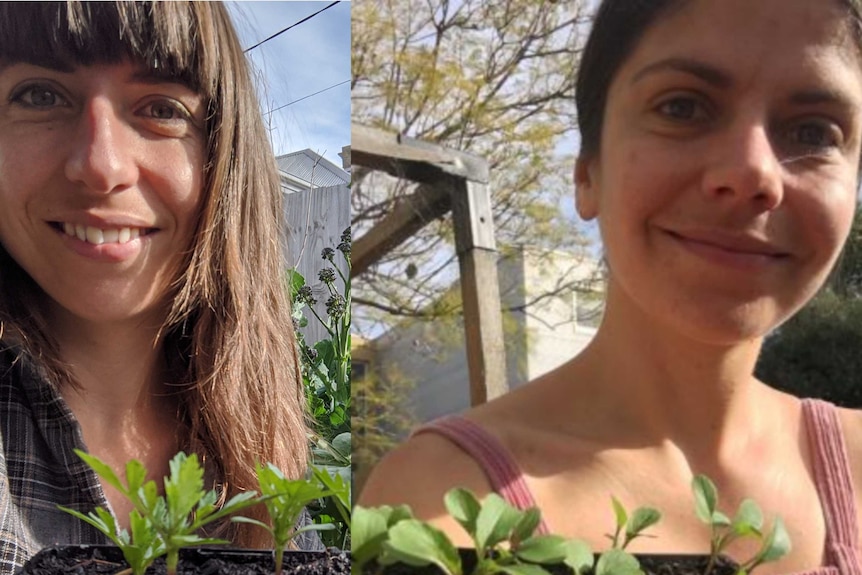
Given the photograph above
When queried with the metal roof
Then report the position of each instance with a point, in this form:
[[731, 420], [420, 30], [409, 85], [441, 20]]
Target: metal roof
[[311, 168]]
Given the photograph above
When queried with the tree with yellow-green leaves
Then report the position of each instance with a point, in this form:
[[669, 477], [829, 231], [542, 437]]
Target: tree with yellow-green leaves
[[496, 79]]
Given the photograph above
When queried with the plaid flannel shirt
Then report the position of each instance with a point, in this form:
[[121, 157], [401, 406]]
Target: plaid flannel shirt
[[39, 470]]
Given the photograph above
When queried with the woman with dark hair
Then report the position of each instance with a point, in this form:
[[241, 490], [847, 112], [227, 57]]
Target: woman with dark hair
[[143, 308], [720, 155]]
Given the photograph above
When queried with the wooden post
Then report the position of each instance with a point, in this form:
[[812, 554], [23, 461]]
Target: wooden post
[[480, 291]]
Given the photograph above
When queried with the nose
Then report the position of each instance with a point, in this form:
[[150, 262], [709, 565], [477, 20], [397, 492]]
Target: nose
[[100, 154], [745, 168]]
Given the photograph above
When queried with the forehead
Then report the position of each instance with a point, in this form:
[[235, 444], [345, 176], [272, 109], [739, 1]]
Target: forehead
[[755, 38]]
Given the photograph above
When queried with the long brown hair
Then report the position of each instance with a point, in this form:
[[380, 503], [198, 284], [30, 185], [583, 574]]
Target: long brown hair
[[229, 337]]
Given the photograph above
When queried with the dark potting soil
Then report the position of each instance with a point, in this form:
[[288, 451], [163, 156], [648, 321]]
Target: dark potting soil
[[650, 564], [94, 560], [685, 565]]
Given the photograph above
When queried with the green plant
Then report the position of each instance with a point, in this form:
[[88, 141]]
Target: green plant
[[505, 542], [161, 524], [326, 377], [747, 522], [326, 364], [503, 537], [284, 500], [631, 527]]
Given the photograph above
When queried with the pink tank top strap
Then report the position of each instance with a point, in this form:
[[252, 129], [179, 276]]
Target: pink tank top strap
[[834, 485], [493, 457]]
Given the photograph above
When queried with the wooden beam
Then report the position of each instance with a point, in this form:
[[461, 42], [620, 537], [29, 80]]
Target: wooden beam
[[412, 159], [410, 214]]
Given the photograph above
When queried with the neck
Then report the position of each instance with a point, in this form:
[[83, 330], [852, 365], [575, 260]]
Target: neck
[[118, 367], [666, 386]]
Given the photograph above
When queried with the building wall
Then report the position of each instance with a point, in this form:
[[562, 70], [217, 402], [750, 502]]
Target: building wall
[[539, 337]]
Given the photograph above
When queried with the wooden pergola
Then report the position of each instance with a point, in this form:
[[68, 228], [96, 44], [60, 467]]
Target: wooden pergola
[[449, 180]]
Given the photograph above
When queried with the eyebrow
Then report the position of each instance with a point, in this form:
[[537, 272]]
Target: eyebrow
[[709, 74], [55, 64], [810, 97], [143, 75]]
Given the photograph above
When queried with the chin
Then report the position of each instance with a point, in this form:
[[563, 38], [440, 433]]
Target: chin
[[745, 324]]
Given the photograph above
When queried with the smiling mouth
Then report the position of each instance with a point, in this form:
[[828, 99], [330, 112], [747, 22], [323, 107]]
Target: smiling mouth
[[99, 236], [735, 246]]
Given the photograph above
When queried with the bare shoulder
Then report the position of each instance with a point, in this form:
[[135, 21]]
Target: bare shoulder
[[418, 473]]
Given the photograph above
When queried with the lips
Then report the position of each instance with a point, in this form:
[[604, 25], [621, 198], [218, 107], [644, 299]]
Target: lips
[[727, 251], [739, 244]]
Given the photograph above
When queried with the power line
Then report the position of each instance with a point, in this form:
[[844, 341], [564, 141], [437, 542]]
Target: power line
[[307, 18], [306, 97]]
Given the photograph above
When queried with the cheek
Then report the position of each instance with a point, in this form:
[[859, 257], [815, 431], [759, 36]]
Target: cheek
[[826, 214], [181, 182]]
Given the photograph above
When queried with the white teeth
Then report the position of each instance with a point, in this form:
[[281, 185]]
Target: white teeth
[[98, 236], [95, 236]]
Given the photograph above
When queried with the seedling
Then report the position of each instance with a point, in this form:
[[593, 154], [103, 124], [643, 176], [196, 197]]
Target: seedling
[[747, 522], [285, 499], [504, 539], [631, 527], [161, 524]]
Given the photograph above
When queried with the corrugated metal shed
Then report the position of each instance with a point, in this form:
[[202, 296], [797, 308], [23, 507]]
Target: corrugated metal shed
[[305, 169]]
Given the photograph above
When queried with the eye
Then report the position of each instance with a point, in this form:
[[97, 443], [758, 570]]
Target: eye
[[164, 110], [38, 96], [680, 108], [815, 134]]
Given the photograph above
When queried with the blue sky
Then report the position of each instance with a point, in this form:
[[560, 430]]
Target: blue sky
[[306, 59]]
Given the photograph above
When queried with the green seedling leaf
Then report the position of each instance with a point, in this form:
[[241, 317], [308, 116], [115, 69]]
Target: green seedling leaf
[[642, 518], [495, 522], [103, 470], [543, 549], [776, 544], [617, 562], [621, 516], [184, 487], [236, 503], [418, 544], [719, 519], [101, 520], [748, 519], [620, 513], [526, 525], [368, 532], [705, 498], [464, 508], [579, 556]]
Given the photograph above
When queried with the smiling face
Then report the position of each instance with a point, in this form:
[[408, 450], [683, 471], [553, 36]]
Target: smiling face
[[725, 183], [100, 182]]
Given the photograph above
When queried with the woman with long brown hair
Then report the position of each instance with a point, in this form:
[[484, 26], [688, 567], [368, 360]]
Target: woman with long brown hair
[[142, 299]]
